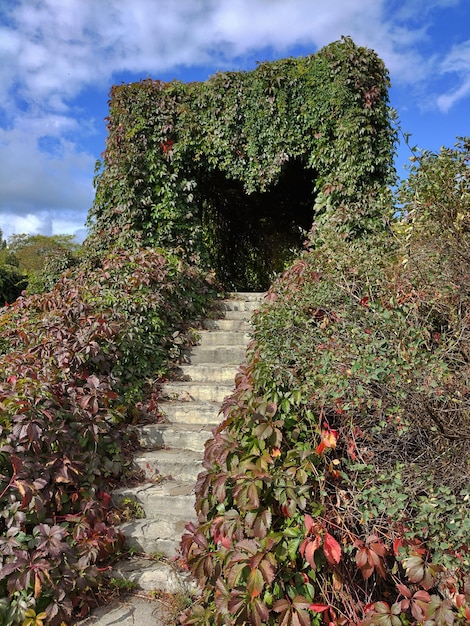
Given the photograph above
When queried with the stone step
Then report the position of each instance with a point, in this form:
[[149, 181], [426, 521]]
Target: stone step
[[189, 391], [238, 304], [157, 536], [179, 464], [173, 450], [170, 497], [215, 372], [257, 296], [183, 436], [236, 315], [192, 412], [223, 338], [225, 355], [240, 325], [149, 575], [136, 608]]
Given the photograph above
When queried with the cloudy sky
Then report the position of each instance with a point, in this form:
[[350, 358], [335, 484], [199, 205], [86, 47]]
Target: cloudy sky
[[59, 58]]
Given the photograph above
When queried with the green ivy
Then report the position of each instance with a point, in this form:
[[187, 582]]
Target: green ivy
[[329, 111]]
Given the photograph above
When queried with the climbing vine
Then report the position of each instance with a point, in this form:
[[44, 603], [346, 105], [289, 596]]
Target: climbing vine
[[328, 111]]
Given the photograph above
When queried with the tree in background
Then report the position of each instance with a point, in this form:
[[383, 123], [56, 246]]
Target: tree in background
[[35, 251], [43, 258]]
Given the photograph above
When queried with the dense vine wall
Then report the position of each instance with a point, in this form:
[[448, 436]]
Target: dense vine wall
[[172, 147]]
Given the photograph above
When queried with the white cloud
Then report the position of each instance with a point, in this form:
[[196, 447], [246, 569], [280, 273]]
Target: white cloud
[[51, 50], [31, 223], [34, 183], [60, 47], [457, 62], [458, 59], [446, 101]]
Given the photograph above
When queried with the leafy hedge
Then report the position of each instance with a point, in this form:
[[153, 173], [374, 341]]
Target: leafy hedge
[[168, 142], [336, 489], [78, 364]]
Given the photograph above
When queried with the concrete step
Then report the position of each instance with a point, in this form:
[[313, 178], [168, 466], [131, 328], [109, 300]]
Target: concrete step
[[157, 500], [225, 355], [131, 610], [236, 315], [192, 412], [256, 296], [240, 325], [215, 372], [149, 575], [179, 464], [183, 436], [238, 304], [223, 338], [157, 536], [188, 391], [175, 449]]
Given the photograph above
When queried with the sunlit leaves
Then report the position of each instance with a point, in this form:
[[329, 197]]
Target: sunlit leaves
[[72, 362], [293, 612], [169, 145], [370, 556]]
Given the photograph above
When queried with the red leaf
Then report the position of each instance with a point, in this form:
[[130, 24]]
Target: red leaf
[[308, 521], [362, 557], [403, 589], [308, 548], [328, 440], [17, 463], [397, 544], [332, 549], [319, 449], [319, 608]]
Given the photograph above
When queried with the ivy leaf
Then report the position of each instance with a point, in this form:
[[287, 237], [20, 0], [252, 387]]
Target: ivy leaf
[[332, 549], [308, 549], [17, 463], [255, 583]]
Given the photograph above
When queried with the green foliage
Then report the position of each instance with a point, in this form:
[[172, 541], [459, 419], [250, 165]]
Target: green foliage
[[43, 258], [34, 251], [78, 363], [337, 486], [182, 159], [12, 283]]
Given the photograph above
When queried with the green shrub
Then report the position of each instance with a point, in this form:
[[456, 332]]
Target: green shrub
[[337, 488], [12, 283]]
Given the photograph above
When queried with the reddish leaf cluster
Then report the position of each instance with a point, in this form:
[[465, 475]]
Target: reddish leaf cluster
[[73, 361]]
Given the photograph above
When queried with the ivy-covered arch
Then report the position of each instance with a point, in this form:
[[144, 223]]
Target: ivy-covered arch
[[236, 168]]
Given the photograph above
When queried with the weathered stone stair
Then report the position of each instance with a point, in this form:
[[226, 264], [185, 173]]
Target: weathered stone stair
[[173, 453]]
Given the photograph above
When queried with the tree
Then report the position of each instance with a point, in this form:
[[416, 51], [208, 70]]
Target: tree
[[35, 251]]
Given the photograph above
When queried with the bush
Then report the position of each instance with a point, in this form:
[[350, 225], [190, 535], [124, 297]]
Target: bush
[[77, 363], [337, 486]]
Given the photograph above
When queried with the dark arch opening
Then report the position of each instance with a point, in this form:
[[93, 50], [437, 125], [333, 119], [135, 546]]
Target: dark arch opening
[[250, 237]]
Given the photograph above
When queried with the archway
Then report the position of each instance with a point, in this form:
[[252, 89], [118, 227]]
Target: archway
[[250, 237]]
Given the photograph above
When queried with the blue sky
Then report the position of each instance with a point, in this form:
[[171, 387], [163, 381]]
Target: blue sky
[[59, 58]]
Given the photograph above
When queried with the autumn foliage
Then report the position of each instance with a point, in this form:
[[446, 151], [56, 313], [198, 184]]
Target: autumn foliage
[[336, 489], [78, 364]]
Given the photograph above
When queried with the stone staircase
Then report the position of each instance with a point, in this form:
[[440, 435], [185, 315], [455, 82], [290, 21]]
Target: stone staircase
[[173, 450]]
